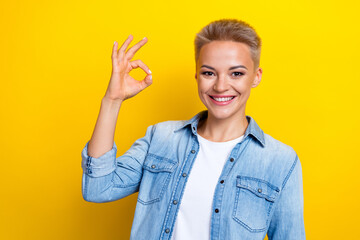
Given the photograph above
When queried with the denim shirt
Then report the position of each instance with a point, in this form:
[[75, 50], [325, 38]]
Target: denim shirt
[[259, 191]]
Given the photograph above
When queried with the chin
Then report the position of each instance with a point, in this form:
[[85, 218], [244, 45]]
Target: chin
[[221, 114]]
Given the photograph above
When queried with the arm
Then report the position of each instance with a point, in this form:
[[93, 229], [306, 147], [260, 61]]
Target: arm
[[103, 135], [105, 178], [108, 178], [121, 87], [288, 219]]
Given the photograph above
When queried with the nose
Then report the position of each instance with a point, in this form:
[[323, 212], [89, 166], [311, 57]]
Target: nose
[[221, 84]]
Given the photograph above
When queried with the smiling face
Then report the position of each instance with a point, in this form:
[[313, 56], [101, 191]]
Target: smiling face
[[225, 75]]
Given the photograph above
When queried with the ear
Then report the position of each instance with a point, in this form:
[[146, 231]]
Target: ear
[[257, 78]]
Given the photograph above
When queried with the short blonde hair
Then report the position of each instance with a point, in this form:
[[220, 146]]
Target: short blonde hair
[[230, 30]]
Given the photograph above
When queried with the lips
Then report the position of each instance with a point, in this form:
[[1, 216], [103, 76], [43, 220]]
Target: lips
[[222, 100]]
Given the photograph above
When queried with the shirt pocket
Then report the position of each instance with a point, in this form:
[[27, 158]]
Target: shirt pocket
[[253, 202], [157, 172]]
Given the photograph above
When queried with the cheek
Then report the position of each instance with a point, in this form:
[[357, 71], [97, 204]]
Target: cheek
[[242, 87], [203, 86]]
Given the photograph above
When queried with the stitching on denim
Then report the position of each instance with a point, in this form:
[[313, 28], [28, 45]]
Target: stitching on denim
[[160, 158], [161, 191], [241, 222], [86, 186], [236, 201], [260, 180], [149, 202], [247, 227], [269, 211], [166, 183], [268, 197], [260, 195], [181, 194], [237, 155], [238, 146], [152, 131], [167, 160], [177, 184], [125, 185], [291, 170]]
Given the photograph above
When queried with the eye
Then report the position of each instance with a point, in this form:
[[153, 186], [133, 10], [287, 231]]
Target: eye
[[207, 73], [238, 74]]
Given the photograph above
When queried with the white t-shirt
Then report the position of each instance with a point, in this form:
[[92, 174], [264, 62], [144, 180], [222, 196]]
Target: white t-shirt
[[194, 215]]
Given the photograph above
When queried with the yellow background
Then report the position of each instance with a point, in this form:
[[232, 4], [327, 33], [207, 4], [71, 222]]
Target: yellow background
[[55, 64]]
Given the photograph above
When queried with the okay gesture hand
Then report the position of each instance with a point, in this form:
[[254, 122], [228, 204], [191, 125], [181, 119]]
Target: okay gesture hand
[[122, 86]]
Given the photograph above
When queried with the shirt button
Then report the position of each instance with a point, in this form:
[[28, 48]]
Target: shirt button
[[175, 202], [222, 181], [231, 159], [192, 151], [89, 170], [216, 210], [167, 230], [184, 174], [153, 166], [259, 190]]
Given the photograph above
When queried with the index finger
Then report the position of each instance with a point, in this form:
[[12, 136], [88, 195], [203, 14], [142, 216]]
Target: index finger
[[131, 52]]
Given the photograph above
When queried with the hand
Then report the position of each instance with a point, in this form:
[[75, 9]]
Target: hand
[[122, 86]]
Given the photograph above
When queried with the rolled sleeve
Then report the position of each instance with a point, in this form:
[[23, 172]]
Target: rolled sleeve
[[107, 178], [100, 166]]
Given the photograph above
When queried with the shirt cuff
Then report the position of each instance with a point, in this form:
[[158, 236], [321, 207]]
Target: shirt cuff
[[100, 166]]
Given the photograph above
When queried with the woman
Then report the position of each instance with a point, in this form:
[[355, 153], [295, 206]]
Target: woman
[[215, 176]]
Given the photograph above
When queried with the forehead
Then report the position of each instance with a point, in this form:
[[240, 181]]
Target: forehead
[[225, 53]]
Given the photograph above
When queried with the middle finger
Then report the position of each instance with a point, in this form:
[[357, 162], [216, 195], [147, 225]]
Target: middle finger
[[125, 45], [131, 52]]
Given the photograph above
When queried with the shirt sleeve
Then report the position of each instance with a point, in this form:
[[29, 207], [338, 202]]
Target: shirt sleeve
[[288, 218], [107, 178]]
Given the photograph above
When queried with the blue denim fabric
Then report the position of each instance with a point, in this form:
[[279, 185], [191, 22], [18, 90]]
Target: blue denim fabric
[[261, 194]]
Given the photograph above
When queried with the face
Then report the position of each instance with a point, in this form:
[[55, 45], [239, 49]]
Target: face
[[225, 75]]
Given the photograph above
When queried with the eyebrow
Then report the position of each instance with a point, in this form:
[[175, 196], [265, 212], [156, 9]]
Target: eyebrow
[[239, 66]]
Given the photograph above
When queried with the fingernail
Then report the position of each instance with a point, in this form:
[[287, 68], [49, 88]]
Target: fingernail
[[149, 71], [144, 38], [150, 77], [114, 42]]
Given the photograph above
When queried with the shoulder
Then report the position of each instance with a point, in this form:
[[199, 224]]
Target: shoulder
[[170, 125], [278, 148], [166, 129], [279, 158]]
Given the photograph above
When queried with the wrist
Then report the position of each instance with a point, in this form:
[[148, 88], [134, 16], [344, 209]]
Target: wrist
[[111, 102]]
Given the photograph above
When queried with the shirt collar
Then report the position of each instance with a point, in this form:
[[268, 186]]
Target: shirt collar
[[253, 128]]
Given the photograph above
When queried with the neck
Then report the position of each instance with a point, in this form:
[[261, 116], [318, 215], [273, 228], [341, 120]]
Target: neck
[[222, 130]]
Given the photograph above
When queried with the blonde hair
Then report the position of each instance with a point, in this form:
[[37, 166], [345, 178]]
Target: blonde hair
[[230, 30]]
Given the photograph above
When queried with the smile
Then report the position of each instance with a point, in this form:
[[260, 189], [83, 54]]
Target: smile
[[222, 100]]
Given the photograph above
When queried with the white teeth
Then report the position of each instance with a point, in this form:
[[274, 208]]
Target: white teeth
[[223, 99]]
